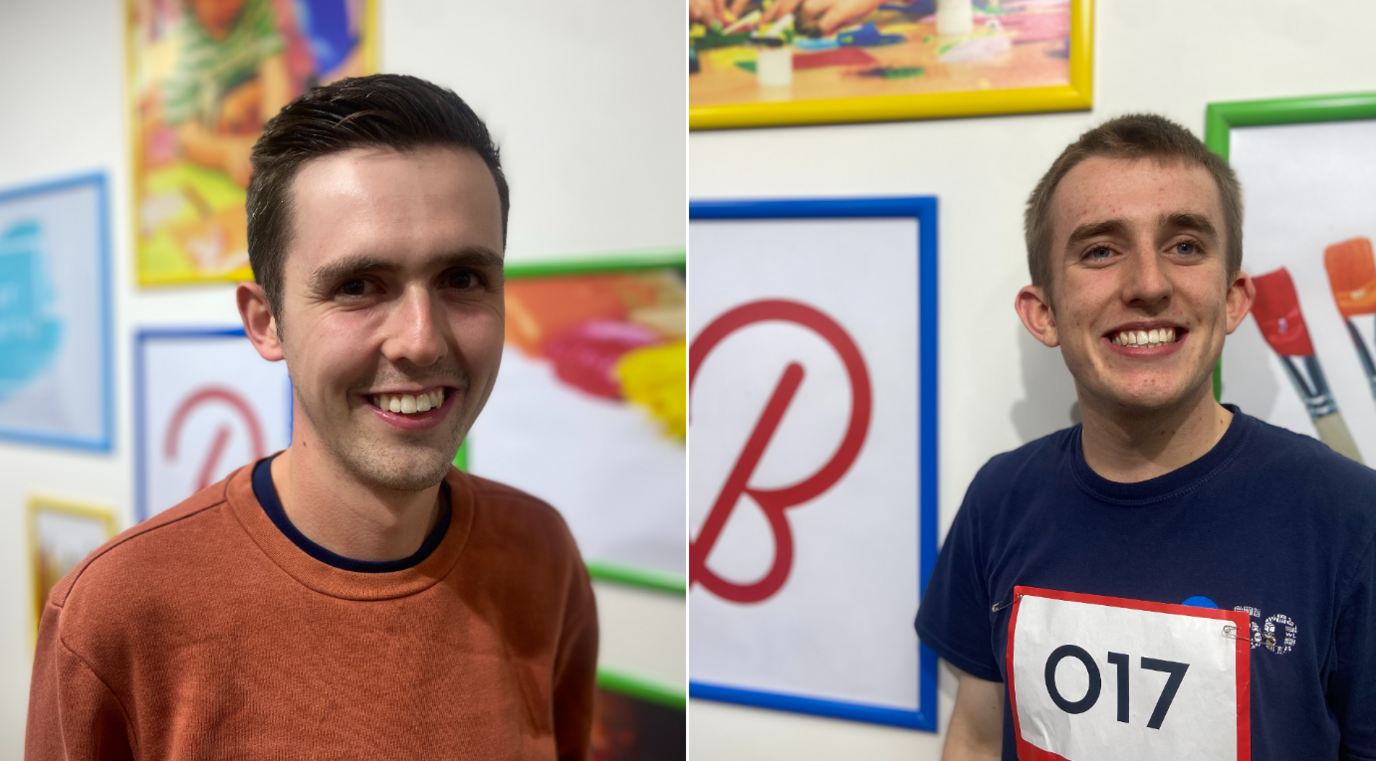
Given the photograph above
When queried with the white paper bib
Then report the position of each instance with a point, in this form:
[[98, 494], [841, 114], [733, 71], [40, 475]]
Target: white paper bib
[[1107, 679]]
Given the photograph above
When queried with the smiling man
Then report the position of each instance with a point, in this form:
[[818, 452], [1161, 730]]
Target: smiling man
[[353, 596], [1082, 588]]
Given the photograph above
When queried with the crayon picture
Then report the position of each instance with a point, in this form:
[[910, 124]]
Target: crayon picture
[[592, 387], [62, 534], [795, 61], [205, 76], [1303, 359]]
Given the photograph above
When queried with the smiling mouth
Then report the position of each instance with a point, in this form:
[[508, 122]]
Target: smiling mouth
[[409, 404], [1147, 338]]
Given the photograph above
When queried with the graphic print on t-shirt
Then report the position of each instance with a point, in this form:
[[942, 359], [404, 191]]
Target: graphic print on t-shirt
[[1093, 678]]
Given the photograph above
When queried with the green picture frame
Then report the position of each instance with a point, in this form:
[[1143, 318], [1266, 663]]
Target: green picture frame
[[1221, 118], [600, 570]]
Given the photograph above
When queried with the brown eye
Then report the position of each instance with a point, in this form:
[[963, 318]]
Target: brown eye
[[354, 287], [462, 279]]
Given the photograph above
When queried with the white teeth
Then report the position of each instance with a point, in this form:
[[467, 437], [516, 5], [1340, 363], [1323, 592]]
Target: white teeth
[[408, 404], [1154, 336], [1143, 338]]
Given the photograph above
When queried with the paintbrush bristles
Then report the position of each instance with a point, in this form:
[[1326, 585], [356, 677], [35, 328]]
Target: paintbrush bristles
[[1277, 312], [1352, 275]]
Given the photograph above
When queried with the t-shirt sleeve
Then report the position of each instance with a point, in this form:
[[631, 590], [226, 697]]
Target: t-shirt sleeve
[[73, 715], [953, 618], [575, 671], [1352, 684]]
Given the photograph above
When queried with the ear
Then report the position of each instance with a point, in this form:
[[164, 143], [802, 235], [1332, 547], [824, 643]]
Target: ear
[[259, 323], [1035, 310], [1241, 293]]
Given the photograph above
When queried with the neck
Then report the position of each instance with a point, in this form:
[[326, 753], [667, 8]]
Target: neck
[[335, 510], [1132, 446]]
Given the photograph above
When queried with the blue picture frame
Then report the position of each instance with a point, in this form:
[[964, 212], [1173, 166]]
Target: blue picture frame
[[924, 209], [104, 440], [141, 339]]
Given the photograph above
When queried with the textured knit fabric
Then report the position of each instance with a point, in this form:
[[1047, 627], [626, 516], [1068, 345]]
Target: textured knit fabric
[[205, 633], [1268, 522]]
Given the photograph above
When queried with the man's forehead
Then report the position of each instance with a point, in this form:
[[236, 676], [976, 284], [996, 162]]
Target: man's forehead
[[1150, 189]]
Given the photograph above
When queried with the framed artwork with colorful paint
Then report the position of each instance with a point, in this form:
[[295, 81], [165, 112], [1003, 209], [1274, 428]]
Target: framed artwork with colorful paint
[[1303, 360], [205, 404], [61, 534], [813, 492], [631, 723], [55, 314], [775, 62], [588, 412], [204, 76]]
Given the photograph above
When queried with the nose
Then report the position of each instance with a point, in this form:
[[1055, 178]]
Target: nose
[[1148, 283], [415, 329]]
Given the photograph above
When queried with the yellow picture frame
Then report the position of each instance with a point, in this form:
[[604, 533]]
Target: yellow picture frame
[[41, 582], [1077, 95], [147, 276]]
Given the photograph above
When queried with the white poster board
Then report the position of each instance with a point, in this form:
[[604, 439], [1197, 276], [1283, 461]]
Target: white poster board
[[55, 378], [1305, 188], [812, 382], [612, 468], [206, 403]]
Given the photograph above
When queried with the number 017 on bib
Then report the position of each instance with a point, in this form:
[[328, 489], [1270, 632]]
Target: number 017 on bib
[[1097, 678]]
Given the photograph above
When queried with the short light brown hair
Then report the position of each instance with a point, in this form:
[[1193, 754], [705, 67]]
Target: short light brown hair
[[1136, 136]]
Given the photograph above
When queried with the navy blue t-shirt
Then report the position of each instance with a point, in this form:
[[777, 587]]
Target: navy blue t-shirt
[[1268, 522]]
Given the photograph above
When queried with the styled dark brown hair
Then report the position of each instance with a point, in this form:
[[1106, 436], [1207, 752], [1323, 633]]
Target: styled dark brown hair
[[1136, 136], [380, 111]]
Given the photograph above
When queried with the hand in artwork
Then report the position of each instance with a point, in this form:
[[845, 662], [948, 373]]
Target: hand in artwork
[[707, 11], [829, 15]]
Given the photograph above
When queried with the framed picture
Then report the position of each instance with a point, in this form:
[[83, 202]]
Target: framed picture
[[55, 314], [61, 534], [589, 410], [813, 494], [633, 723], [203, 79], [205, 404], [899, 59], [1303, 359]]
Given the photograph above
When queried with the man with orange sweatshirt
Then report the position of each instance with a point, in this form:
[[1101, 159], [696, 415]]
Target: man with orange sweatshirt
[[353, 596]]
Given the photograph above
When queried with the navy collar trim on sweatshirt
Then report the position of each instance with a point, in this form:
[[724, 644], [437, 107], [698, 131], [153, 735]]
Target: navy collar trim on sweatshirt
[[1169, 485], [266, 492]]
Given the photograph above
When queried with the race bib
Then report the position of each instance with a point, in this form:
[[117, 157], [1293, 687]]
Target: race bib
[[1107, 679]]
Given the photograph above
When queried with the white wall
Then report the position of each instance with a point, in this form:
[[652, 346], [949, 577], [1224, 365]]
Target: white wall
[[998, 387], [586, 101]]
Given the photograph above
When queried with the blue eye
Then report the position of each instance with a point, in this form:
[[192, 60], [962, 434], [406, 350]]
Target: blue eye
[[1099, 253], [1186, 249]]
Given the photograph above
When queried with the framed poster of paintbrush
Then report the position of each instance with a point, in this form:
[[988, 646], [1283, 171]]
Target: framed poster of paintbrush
[[1304, 359]]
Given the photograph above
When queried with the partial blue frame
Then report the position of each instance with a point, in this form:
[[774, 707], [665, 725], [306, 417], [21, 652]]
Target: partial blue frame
[[104, 442], [140, 403], [924, 209]]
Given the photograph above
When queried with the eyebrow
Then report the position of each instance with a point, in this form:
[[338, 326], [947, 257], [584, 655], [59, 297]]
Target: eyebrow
[[1186, 221], [477, 257], [1095, 229]]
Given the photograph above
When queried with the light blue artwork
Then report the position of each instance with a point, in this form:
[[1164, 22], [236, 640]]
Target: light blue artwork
[[55, 315], [29, 332]]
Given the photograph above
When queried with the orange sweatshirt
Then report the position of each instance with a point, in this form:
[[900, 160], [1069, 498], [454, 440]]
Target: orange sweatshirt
[[206, 633]]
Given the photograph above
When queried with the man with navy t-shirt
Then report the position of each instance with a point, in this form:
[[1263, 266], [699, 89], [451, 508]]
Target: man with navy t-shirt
[[1171, 578]]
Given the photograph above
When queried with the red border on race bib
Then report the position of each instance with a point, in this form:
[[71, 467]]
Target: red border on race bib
[[1243, 644]]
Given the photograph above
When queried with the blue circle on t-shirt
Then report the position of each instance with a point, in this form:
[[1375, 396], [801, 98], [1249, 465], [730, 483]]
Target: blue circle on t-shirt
[[1200, 602]]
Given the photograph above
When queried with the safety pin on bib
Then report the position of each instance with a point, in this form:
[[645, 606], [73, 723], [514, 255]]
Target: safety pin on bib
[[998, 606]]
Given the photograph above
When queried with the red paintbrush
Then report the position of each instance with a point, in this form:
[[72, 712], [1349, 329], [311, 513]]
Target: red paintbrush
[[1277, 312]]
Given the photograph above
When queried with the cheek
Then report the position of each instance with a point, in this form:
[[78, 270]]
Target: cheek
[[481, 334]]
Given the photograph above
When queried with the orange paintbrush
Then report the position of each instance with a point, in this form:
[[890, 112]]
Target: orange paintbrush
[[1352, 275]]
